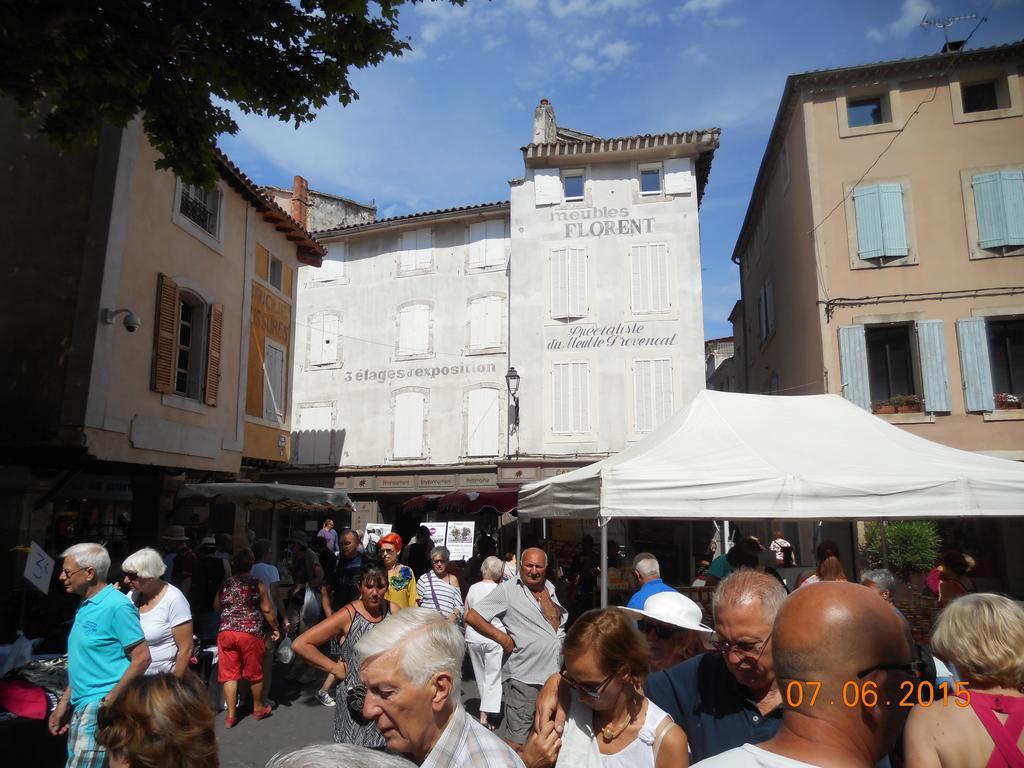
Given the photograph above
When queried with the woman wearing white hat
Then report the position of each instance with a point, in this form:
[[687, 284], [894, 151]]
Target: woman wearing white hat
[[671, 622]]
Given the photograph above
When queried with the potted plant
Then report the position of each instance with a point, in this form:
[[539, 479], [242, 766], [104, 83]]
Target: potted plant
[[906, 403], [1006, 400], [913, 546], [886, 406]]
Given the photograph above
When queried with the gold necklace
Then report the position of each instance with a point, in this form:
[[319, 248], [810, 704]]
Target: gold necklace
[[610, 735]]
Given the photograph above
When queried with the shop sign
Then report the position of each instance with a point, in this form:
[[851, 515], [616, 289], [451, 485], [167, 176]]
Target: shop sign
[[519, 474], [403, 483], [384, 375], [361, 484], [342, 483], [97, 488], [477, 481], [556, 471], [437, 481], [602, 222], [271, 314], [628, 334]]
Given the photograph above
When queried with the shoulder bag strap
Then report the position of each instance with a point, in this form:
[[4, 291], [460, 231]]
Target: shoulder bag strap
[[433, 594], [663, 727]]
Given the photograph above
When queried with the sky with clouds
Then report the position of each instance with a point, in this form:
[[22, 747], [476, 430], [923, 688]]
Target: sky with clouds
[[442, 125]]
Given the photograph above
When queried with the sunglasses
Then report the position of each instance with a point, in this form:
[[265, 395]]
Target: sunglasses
[[387, 551], [131, 576], [663, 631], [68, 574], [593, 691]]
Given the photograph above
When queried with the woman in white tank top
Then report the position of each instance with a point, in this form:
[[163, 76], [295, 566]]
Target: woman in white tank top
[[611, 724]]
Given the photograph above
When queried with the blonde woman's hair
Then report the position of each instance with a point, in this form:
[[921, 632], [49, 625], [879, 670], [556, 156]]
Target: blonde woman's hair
[[982, 636]]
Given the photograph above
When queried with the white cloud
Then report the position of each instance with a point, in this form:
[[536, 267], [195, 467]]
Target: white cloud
[[696, 54], [712, 6], [562, 8], [589, 41], [617, 52], [584, 62], [911, 13]]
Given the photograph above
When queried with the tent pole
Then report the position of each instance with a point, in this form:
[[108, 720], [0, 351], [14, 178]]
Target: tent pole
[[885, 547], [519, 542], [604, 564]]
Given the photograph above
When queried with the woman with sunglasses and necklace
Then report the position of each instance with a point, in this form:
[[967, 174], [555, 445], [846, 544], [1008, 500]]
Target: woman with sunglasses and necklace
[[611, 724], [438, 589], [164, 612]]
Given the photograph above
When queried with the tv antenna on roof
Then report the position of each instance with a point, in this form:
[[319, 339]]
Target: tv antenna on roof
[[946, 23]]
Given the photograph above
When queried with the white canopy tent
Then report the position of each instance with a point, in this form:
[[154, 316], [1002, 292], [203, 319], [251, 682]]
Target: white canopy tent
[[738, 456]]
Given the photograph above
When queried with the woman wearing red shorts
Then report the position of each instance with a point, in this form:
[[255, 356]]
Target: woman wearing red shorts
[[244, 603]]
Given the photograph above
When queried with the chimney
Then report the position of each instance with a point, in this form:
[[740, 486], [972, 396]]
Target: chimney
[[952, 46], [300, 201], [545, 130]]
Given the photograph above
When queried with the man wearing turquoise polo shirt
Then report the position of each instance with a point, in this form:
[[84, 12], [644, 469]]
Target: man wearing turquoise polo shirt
[[106, 649]]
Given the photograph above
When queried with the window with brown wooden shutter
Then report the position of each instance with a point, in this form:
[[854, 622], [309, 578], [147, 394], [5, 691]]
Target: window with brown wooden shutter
[[212, 388], [165, 342]]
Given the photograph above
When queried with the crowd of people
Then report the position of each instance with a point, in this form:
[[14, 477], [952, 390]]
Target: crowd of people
[[826, 675]]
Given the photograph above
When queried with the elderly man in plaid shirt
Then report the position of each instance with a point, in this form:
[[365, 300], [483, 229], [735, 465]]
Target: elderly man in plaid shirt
[[411, 666]]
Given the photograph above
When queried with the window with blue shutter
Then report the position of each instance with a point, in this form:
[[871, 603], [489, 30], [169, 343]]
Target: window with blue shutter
[[975, 367], [999, 201], [853, 361], [881, 225], [931, 342]]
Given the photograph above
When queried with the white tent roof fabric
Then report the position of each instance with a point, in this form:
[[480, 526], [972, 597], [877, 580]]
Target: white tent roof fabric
[[736, 456]]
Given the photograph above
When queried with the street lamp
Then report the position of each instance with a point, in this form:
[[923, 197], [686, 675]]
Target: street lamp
[[512, 381]]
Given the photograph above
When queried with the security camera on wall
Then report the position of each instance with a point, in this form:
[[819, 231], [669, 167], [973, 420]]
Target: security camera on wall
[[131, 321]]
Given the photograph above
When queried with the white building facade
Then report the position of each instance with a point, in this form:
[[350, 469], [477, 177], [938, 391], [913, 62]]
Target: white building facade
[[587, 282]]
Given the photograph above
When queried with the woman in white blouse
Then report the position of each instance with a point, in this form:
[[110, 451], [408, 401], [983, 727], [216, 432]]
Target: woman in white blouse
[[484, 653], [163, 612]]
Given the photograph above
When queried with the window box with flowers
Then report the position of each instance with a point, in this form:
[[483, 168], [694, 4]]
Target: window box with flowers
[[898, 404], [1006, 401]]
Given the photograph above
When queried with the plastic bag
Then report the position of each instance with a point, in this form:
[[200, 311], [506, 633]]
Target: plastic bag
[[20, 653], [310, 610], [285, 654]]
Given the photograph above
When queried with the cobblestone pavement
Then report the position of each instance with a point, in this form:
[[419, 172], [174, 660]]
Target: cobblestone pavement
[[298, 719]]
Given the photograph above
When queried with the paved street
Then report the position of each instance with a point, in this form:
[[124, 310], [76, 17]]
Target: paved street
[[299, 719]]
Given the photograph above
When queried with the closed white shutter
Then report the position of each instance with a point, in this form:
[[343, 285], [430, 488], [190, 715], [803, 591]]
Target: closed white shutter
[[560, 283], [643, 388], [408, 436], [316, 340], [324, 340], [477, 244], [652, 393], [273, 392], [495, 243], [679, 176], [547, 186], [570, 397], [407, 259], [424, 249], [649, 271], [314, 435], [482, 422], [333, 267], [485, 322], [414, 330], [577, 300]]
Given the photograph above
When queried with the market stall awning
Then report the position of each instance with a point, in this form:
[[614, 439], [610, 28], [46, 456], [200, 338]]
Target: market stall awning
[[497, 500], [421, 505], [271, 493], [819, 457]]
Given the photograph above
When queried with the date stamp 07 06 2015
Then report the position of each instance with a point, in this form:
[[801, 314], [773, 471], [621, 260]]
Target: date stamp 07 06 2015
[[856, 692]]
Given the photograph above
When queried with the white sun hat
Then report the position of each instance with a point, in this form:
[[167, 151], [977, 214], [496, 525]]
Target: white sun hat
[[672, 608]]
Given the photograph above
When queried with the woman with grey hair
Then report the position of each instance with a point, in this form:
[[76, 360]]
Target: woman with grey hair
[[484, 653], [340, 755], [164, 612], [438, 589]]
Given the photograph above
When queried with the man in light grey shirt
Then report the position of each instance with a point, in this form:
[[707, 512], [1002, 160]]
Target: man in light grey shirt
[[534, 631]]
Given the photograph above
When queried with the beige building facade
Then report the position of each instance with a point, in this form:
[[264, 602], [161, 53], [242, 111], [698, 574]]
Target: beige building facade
[[150, 336], [882, 253]]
